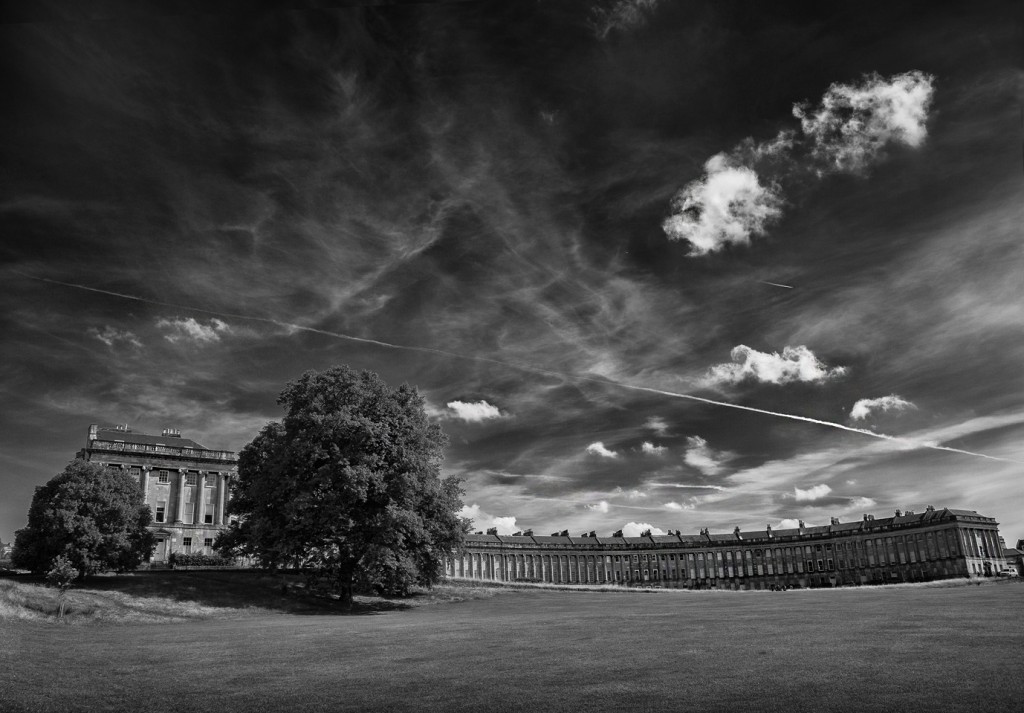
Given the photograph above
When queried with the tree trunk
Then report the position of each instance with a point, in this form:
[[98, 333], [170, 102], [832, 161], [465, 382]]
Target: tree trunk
[[346, 591]]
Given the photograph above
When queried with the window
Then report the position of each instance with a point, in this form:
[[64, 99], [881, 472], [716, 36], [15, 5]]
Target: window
[[190, 478], [207, 542], [208, 517], [161, 509], [164, 477], [187, 544], [211, 480]]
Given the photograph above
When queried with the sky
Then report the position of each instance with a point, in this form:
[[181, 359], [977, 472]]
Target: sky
[[652, 264]]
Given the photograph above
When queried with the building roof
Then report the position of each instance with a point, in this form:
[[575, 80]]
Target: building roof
[[109, 433]]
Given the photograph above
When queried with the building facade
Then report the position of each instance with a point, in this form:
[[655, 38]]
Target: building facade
[[185, 484], [909, 547]]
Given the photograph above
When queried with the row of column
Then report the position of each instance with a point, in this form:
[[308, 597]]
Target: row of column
[[981, 543], [223, 479]]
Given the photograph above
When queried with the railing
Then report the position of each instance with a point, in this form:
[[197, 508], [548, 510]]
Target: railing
[[162, 450]]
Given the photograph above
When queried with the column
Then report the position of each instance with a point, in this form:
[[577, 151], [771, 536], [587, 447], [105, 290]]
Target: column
[[222, 487], [144, 483], [201, 498], [179, 510]]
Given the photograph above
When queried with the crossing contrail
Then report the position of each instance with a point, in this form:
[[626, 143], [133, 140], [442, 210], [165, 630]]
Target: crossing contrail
[[775, 284], [527, 367]]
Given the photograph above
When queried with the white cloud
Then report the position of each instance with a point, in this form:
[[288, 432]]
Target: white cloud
[[853, 123], [794, 364], [483, 521], [702, 457], [635, 529], [601, 506], [862, 503], [679, 506], [788, 524], [474, 412], [656, 424], [597, 448], [633, 494], [727, 205], [191, 330], [863, 408], [651, 449], [109, 335], [815, 492]]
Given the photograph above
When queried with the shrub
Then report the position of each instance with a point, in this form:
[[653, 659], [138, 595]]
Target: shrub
[[185, 559]]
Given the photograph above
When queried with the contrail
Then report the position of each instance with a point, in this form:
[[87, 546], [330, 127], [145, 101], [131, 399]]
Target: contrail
[[528, 367], [775, 284]]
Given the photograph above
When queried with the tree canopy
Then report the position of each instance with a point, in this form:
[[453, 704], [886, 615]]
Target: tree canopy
[[348, 487], [92, 515]]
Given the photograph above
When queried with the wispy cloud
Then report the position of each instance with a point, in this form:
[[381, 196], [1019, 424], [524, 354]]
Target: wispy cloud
[[111, 335], [864, 407], [597, 448], [600, 506], [620, 16], [473, 411], [652, 450], [815, 492], [657, 424], [741, 192], [679, 506], [701, 456], [794, 364], [192, 330]]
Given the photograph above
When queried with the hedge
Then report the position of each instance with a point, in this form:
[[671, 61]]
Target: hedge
[[184, 559]]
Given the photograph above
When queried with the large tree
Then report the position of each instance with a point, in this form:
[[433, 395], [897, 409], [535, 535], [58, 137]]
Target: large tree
[[92, 515], [348, 487]]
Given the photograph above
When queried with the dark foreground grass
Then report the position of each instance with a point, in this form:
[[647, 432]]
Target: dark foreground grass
[[899, 649]]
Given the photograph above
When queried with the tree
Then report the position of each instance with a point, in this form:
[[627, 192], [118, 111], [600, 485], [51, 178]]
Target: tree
[[62, 573], [92, 515], [347, 487]]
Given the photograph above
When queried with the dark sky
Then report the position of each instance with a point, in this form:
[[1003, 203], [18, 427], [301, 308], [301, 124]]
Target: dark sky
[[567, 218]]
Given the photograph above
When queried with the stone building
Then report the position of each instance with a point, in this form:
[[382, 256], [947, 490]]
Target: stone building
[[909, 547], [185, 484]]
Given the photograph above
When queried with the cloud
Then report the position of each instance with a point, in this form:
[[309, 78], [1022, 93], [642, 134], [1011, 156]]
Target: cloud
[[701, 456], [679, 506], [483, 521], [863, 408], [862, 503], [853, 123], [788, 524], [601, 506], [597, 448], [651, 449], [191, 330], [474, 412], [632, 494], [621, 15], [635, 529], [794, 364], [656, 424], [728, 205], [742, 191], [109, 335], [815, 492]]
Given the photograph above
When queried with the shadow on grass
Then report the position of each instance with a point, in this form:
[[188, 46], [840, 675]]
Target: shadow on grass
[[243, 590]]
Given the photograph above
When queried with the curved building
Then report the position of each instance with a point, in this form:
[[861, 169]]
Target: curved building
[[909, 547]]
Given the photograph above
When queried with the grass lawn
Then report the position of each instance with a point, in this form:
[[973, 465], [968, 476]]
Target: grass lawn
[[906, 648]]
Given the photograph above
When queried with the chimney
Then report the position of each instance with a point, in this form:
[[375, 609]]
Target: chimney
[[929, 509], [737, 533], [768, 529], [492, 531], [517, 534], [865, 517], [593, 533], [835, 521], [563, 533], [171, 433], [554, 534], [617, 533], [527, 533], [802, 525], [898, 513]]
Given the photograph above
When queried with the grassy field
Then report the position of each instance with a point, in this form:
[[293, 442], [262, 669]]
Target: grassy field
[[908, 648]]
